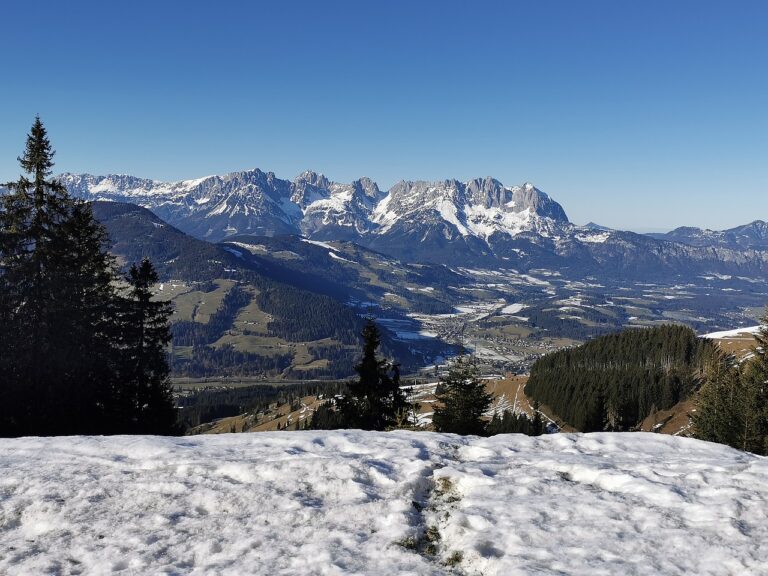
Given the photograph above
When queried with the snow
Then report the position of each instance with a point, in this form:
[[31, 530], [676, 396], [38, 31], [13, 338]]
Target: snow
[[345, 502], [189, 184], [382, 215], [318, 243], [733, 333], [337, 257], [420, 335], [512, 308], [484, 221], [599, 238], [449, 212]]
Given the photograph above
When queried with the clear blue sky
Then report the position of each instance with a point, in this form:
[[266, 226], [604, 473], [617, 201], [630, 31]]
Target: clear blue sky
[[638, 115]]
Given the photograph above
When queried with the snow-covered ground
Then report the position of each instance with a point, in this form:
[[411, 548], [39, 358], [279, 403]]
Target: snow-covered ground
[[370, 503], [733, 333]]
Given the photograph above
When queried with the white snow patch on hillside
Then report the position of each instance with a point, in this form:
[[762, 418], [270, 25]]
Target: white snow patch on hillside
[[513, 308], [599, 238], [344, 502], [318, 243], [234, 252], [733, 333], [449, 213], [335, 256]]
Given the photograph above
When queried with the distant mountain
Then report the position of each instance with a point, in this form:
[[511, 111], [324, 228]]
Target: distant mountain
[[477, 223], [254, 202], [752, 235]]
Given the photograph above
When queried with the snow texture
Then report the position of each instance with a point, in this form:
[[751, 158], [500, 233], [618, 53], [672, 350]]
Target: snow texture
[[350, 502], [733, 333]]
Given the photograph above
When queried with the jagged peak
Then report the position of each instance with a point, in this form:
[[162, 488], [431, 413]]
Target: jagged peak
[[313, 178]]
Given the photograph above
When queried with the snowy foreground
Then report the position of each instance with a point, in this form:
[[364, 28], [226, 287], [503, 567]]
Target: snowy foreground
[[392, 503]]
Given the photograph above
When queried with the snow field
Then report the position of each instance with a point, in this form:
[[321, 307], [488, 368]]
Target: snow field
[[733, 333], [351, 502]]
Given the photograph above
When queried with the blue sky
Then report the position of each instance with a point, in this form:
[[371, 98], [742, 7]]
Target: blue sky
[[637, 115]]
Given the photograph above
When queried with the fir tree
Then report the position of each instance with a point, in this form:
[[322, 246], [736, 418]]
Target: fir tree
[[733, 402], [56, 290], [462, 400], [374, 401], [67, 337], [146, 335], [537, 424], [375, 398], [755, 436], [720, 411]]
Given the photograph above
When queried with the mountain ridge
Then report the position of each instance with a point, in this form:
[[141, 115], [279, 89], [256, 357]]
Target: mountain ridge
[[478, 222], [256, 201]]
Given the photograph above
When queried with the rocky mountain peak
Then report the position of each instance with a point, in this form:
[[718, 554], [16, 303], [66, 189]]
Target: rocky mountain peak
[[312, 178]]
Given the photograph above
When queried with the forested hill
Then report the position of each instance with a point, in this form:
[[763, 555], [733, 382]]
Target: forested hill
[[304, 334], [613, 382]]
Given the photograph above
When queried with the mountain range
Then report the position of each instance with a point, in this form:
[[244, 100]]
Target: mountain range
[[752, 235], [270, 276], [479, 222]]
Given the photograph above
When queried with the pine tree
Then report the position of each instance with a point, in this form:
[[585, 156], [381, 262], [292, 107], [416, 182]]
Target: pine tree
[[720, 411], [146, 334], [754, 437], [67, 337], [733, 402], [55, 284], [462, 400], [537, 424], [374, 401], [375, 398]]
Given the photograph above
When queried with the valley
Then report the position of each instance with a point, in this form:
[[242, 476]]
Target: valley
[[279, 309], [539, 283]]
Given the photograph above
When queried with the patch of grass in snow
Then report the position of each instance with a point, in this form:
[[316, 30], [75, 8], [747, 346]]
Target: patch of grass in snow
[[455, 558], [432, 538]]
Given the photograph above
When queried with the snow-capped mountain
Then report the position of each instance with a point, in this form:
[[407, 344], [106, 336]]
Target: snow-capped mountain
[[210, 208], [335, 211], [254, 202], [446, 222]]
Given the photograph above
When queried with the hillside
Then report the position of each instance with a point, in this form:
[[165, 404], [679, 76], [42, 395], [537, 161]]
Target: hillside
[[381, 503], [506, 316], [235, 316], [614, 382]]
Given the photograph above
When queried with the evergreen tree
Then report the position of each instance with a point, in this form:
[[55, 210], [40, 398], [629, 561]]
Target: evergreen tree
[[375, 398], [733, 402], [56, 289], [755, 436], [614, 381], [537, 424], [374, 401], [720, 411], [462, 400], [146, 334], [65, 331]]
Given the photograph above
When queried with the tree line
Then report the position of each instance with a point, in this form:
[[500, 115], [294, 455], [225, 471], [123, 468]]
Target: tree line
[[613, 382], [82, 347], [376, 401], [210, 404]]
